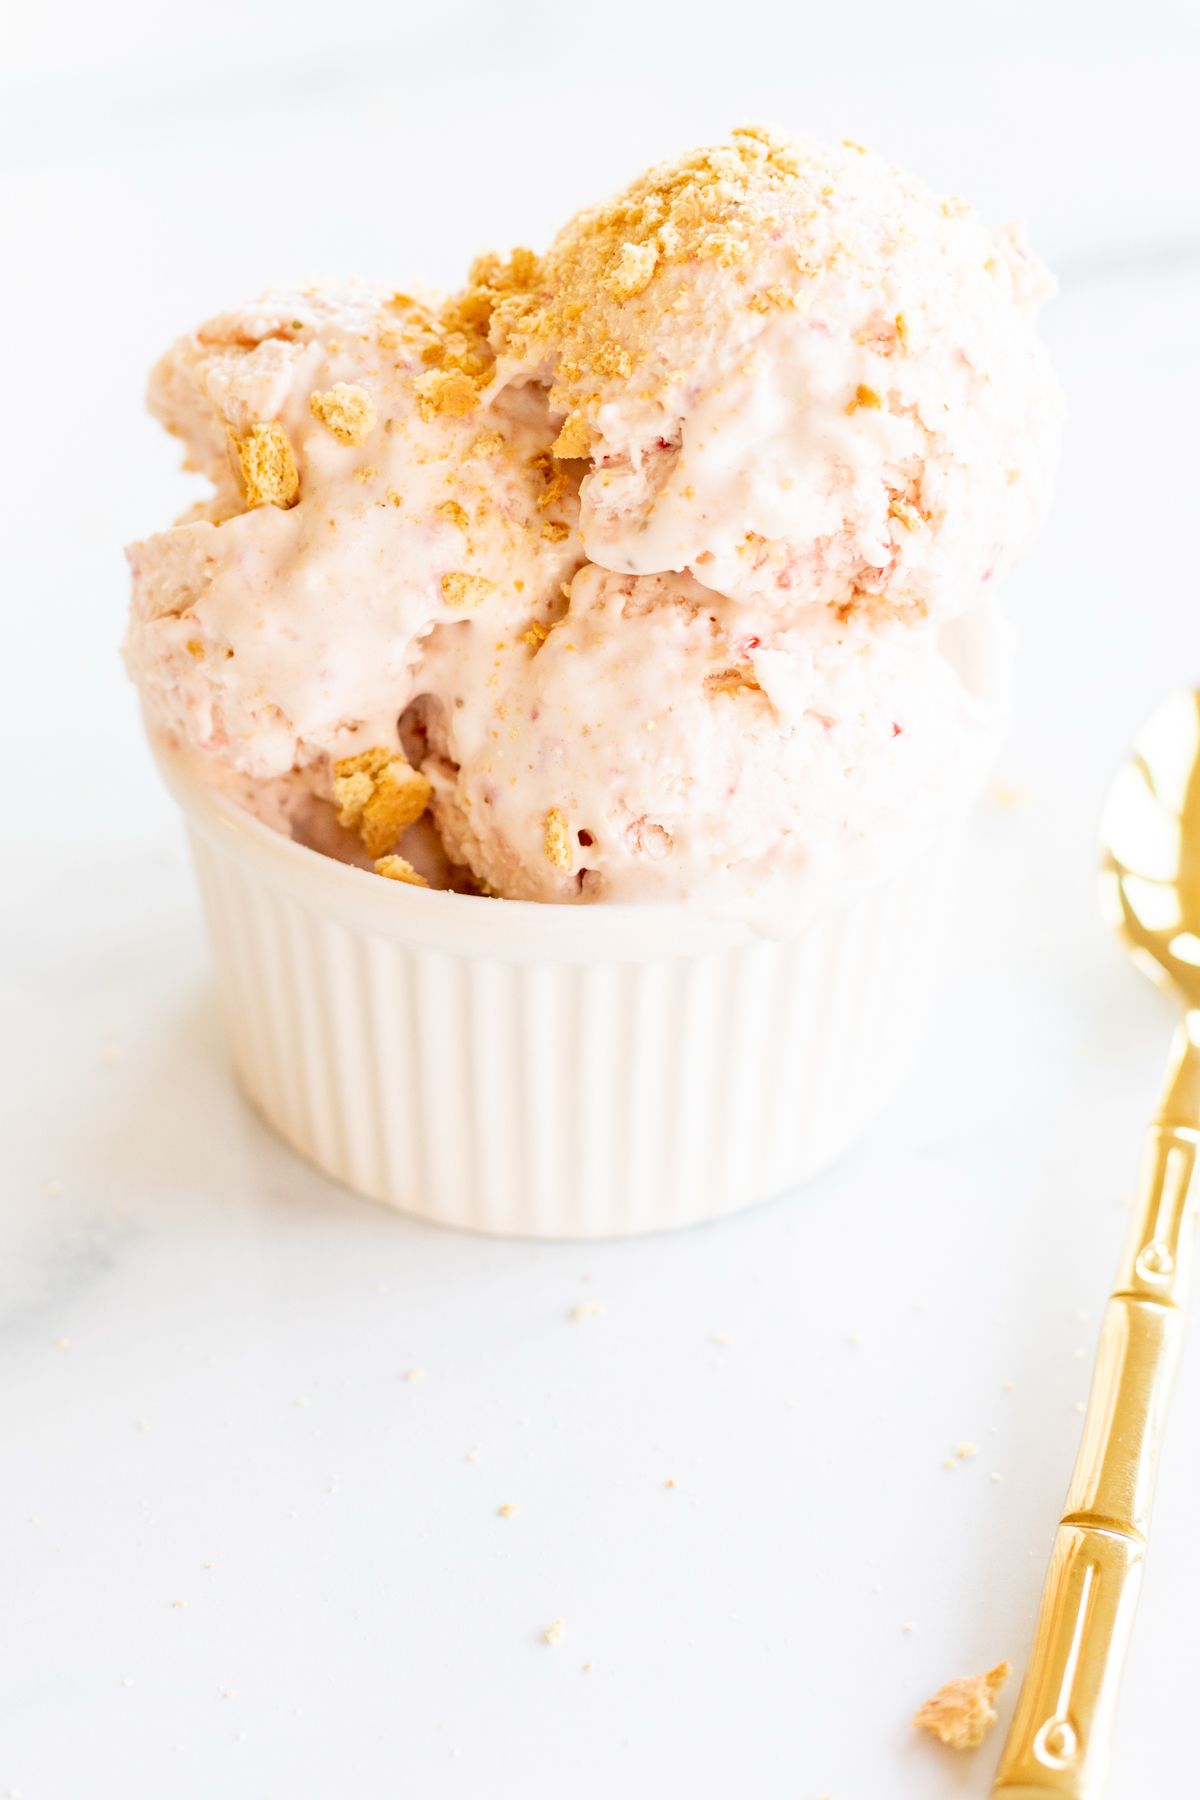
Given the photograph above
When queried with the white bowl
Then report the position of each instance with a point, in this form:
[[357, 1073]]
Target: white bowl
[[555, 1071]]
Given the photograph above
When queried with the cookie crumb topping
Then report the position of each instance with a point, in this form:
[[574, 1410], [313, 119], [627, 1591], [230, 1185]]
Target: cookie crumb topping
[[864, 396], [558, 839], [731, 681], [268, 466], [630, 270], [344, 409], [447, 391], [464, 592], [395, 868], [378, 795]]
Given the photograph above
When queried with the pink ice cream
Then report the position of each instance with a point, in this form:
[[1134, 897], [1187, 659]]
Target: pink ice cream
[[797, 375], [664, 743], [663, 567], [272, 634]]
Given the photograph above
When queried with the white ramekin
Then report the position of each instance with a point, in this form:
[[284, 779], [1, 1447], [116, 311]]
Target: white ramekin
[[548, 1071]]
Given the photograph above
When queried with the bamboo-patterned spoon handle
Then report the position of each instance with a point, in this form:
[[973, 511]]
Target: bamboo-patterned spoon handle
[[1059, 1740]]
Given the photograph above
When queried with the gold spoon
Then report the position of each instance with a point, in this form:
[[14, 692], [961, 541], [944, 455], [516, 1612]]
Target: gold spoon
[[1150, 883]]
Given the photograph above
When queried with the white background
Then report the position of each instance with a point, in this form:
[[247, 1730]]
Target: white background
[[203, 1345]]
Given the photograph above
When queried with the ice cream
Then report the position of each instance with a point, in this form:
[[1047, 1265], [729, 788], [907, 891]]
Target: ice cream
[[662, 568], [796, 374], [361, 496], [664, 743]]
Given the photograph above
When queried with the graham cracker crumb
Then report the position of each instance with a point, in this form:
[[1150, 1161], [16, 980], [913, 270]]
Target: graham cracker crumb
[[194, 647], [906, 514], [965, 1451], [535, 637], [597, 297], [491, 283], [731, 681], [417, 1374], [395, 868], [864, 396], [612, 359], [556, 488], [558, 850], [587, 1310], [772, 298], [451, 392], [465, 591], [488, 443], [554, 1632], [555, 532], [631, 270], [574, 440], [962, 1712], [451, 510], [378, 795], [268, 466], [346, 410], [507, 1511]]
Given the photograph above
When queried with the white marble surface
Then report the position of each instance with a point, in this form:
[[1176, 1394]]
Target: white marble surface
[[243, 1554]]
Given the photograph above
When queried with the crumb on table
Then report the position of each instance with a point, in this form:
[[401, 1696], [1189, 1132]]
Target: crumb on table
[[962, 1712]]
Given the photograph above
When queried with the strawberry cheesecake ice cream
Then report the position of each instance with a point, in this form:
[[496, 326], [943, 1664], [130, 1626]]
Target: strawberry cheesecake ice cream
[[658, 568]]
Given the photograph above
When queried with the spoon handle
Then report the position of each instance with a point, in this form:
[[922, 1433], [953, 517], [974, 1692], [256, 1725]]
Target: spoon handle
[[1059, 1740]]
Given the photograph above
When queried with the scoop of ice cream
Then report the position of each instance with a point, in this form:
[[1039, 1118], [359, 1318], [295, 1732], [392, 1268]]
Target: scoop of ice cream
[[363, 493], [796, 374], [662, 743], [664, 564]]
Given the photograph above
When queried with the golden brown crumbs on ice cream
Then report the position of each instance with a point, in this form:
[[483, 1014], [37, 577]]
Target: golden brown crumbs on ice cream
[[558, 839], [267, 465], [395, 868], [345, 409], [464, 591], [378, 795]]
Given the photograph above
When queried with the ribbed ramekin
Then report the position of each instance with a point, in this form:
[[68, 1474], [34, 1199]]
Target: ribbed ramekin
[[548, 1071]]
